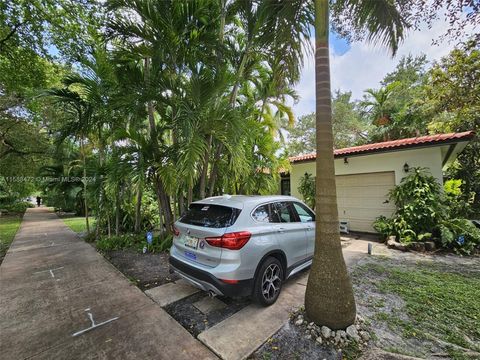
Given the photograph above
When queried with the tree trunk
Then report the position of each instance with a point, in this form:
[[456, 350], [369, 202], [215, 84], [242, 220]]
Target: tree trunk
[[117, 213], [101, 197], [181, 204], [151, 118], [109, 226], [164, 208], [82, 149], [233, 99], [189, 195], [203, 175], [160, 212], [138, 208], [214, 171], [329, 296], [165, 205]]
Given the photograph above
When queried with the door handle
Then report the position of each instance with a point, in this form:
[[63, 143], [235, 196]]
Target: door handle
[[309, 228], [281, 230]]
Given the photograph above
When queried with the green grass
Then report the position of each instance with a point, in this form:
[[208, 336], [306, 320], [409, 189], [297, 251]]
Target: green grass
[[8, 228], [351, 351], [439, 302], [78, 224]]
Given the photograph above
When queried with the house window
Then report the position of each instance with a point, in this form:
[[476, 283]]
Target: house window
[[285, 186]]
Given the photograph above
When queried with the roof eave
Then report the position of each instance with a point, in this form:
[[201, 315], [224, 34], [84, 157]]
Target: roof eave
[[396, 148]]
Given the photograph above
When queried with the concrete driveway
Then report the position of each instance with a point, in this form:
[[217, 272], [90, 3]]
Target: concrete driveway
[[59, 299]]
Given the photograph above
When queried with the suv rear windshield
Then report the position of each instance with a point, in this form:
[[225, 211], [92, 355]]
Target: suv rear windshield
[[212, 216]]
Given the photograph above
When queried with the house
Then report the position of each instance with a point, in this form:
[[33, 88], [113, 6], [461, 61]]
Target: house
[[366, 173]]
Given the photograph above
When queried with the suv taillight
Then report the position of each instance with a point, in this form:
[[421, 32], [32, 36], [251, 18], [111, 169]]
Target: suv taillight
[[175, 231], [232, 241]]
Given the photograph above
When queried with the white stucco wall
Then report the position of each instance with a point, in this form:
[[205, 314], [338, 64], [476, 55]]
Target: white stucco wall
[[429, 157]]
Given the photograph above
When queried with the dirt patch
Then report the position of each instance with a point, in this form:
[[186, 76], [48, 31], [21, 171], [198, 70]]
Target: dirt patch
[[145, 270], [192, 319]]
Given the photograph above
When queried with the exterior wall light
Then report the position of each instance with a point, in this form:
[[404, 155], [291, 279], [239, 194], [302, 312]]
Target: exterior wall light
[[406, 167], [345, 161]]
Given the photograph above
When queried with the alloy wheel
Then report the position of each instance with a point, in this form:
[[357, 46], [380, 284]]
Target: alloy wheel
[[271, 281]]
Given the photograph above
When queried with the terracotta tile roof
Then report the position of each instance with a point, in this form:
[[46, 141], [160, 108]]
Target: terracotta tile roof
[[392, 145]]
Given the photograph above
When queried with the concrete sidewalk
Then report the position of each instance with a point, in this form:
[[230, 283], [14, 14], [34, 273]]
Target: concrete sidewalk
[[59, 299]]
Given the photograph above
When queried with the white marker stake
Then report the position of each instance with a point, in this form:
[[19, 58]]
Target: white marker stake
[[90, 316]]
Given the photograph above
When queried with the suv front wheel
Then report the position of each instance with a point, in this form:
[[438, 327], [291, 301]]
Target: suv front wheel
[[268, 282]]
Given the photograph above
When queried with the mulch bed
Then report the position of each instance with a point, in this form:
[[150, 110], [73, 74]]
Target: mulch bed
[[145, 270]]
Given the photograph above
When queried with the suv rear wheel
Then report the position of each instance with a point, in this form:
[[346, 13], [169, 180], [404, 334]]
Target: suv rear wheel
[[268, 282]]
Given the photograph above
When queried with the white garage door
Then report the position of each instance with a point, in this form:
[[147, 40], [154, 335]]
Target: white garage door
[[363, 197]]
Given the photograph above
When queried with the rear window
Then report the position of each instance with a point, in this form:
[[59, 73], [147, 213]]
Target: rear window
[[211, 216]]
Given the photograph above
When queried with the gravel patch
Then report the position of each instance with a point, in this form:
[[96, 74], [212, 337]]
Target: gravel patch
[[291, 343]]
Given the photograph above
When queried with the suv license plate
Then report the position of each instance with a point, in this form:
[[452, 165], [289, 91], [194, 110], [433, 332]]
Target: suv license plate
[[191, 242], [190, 255]]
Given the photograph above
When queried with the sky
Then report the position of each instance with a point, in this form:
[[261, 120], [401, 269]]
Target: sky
[[359, 66]]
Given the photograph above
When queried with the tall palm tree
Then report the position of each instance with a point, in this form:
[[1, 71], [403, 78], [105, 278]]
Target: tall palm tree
[[80, 126], [87, 94], [377, 104], [277, 28], [329, 296]]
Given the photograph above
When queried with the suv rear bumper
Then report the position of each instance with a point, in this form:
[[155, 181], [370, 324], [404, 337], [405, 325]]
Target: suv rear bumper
[[207, 282]]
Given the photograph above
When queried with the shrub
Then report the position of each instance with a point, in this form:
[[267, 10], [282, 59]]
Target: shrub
[[459, 204], [419, 203], [18, 207], [384, 226], [134, 241], [161, 244], [89, 237], [461, 235], [419, 208], [307, 189], [120, 242], [422, 211]]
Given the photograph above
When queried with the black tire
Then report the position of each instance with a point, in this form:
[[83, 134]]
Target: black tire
[[270, 279]]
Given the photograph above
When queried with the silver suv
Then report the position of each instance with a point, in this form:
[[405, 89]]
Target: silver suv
[[243, 245]]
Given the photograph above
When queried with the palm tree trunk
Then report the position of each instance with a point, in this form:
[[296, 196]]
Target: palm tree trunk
[[117, 213], [165, 206], [82, 149], [214, 171], [138, 208], [329, 295], [233, 99], [181, 204], [162, 198], [160, 213], [189, 195], [101, 197], [151, 118], [203, 175]]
